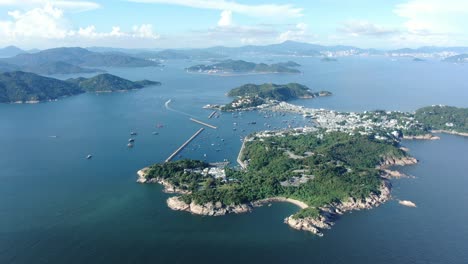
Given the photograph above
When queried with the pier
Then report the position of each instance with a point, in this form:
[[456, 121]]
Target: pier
[[202, 123], [184, 145], [212, 114]]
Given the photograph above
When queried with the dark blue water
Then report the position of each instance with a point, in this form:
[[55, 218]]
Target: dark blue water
[[58, 207]]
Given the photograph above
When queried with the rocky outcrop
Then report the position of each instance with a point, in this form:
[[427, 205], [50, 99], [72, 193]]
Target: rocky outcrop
[[210, 209], [422, 137], [393, 174], [407, 203], [330, 213], [392, 161], [168, 187]]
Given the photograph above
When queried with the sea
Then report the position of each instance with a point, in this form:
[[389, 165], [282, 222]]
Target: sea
[[56, 206]]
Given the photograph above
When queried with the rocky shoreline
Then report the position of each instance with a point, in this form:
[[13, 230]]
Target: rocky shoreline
[[422, 137], [452, 132], [168, 187], [328, 213]]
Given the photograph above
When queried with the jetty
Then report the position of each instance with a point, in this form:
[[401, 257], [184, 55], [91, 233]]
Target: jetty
[[212, 114], [184, 145], [202, 123]]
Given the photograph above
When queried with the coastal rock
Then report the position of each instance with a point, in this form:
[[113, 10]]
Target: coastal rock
[[210, 209], [407, 203], [452, 132], [176, 204], [422, 137], [390, 174], [302, 224], [331, 212], [391, 161]]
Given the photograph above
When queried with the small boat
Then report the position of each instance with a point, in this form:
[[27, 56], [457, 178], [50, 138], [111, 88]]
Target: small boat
[[133, 133], [130, 145], [89, 156], [131, 140], [155, 133]]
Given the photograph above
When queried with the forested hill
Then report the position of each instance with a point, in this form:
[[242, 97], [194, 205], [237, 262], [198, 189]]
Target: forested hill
[[240, 66], [29, 87], [280, 92]]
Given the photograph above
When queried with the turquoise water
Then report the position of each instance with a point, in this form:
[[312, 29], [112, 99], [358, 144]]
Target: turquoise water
[[58, 207]]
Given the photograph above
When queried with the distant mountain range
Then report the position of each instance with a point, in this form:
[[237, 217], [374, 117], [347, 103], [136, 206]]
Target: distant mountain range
[[80, 60], [10, 51], [29, 87], [70, 60], [287, 48]]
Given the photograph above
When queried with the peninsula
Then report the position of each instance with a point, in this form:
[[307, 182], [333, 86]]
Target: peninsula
[[244, 67], [24, 87], [339, 165]]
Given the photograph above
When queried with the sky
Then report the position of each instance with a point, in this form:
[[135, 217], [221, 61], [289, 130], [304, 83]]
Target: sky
[[159, 24]]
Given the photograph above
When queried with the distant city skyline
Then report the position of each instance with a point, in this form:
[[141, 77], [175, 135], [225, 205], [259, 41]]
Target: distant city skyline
[[204, 23]]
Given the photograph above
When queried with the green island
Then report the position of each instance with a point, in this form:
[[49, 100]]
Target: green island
[[342, 163], [253, 96], [326, 174], [242, 67], [447, 119], [24, 87]]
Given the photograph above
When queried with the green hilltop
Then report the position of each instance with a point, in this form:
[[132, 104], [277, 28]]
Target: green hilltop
[[21, 86]]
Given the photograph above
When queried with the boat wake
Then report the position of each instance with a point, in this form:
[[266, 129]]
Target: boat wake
[[174, 110]]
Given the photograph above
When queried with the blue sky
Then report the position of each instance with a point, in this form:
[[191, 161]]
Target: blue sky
[[383, 24]]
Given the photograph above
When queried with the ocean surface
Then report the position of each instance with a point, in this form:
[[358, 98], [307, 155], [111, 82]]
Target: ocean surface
[[58, 207]]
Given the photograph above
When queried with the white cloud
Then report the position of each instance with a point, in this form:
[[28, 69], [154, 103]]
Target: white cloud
[[48, 24], [226, 19], [68, 5], [143, 31], [433, 16], [298, 33], [358, 28], [261, 10]]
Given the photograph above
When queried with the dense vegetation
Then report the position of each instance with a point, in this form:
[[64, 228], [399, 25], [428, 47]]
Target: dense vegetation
[[22, 86], [280, 92], [240, 66], [108, 82], [443, 118], [338, 165]]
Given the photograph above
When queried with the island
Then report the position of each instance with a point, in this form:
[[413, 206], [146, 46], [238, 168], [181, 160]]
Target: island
[[244, 67], [342, 163], [253, 96], [24, 87], [329, 59]]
